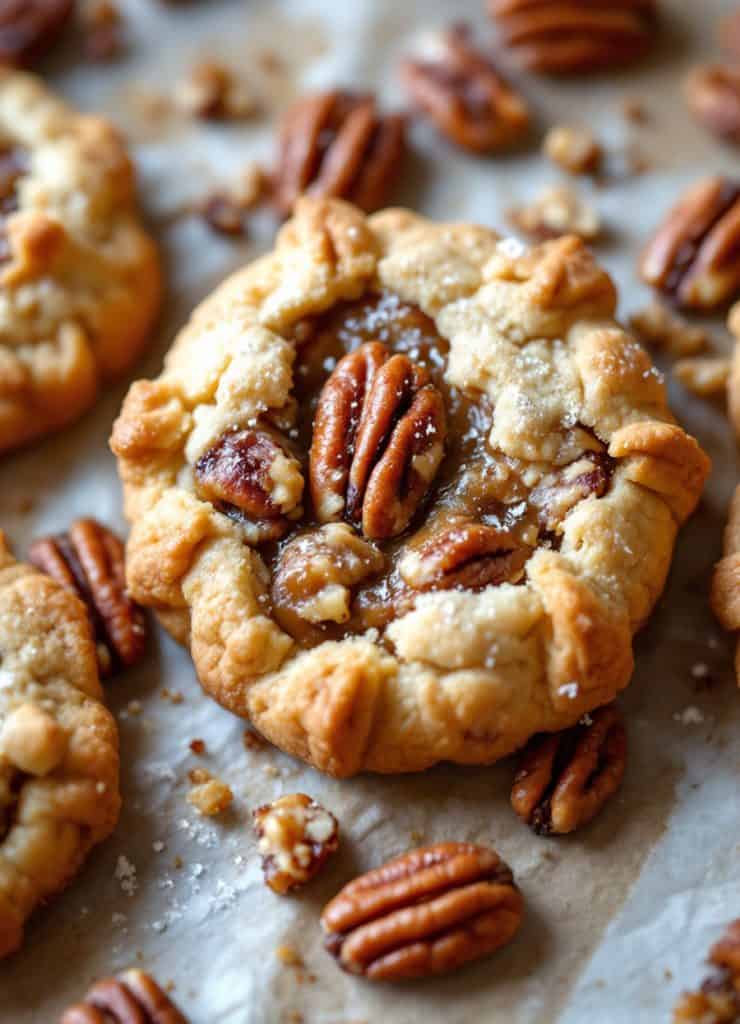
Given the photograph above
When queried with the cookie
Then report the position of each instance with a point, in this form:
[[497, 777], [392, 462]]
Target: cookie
[[58, 744], [733, 384], [406, 490], [79, 278]]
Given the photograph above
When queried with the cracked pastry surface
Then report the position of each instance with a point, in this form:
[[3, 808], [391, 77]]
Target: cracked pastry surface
[[79, 277], [405, 489], [58, 744]]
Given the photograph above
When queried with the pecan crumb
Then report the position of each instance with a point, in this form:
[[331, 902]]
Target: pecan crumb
[[657, 326], [718, 999], [213, 91], [223, 214], [634, 110], [573, 148], [706, 377], [198, 746], [102, 27], [296, 836], [253, 741], [289, 956], [210, 795], [556, 211]]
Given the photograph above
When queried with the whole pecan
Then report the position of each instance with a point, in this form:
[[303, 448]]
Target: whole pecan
[[249, 476], [713, 96], [464, 95], [132, 997], [426, 912], [560, 491], [90, 561], [28, 28], [574, 36], [695, 253], [565, 779], [465, 554], [378, 439], [718, 999], [296, 836], [337, 144]]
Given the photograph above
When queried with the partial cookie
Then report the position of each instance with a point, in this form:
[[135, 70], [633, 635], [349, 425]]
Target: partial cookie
[[79, 278], [406, 490], [58, 744]]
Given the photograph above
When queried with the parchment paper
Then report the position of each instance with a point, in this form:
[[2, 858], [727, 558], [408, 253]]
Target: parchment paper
[[620, 916]]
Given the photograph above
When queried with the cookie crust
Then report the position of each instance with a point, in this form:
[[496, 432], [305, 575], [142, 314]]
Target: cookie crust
[[79, 282], [464, 676], [59, 792]]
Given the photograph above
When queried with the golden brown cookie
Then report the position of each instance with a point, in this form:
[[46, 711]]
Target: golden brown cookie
[[405, 489], [58, 744], [733, 384], [79, 278]]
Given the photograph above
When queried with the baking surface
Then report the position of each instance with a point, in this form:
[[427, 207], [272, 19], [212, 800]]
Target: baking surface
[[620, 916]]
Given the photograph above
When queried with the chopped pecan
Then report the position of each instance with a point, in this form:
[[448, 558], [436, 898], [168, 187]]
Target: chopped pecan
[[28, 28], [337, 144], [706, 377], [90, 561], [102, 27], [695, 254], [426, 912], [575, 36], [565, 779], [315, 575], [296, 836], [212, 91], [718, 1000], [713, 96], [378, 440], [459, 88], [250, 477], [556, 211], [574, 149], [464, 554], [209, 794], [559, 492], [132, 997]]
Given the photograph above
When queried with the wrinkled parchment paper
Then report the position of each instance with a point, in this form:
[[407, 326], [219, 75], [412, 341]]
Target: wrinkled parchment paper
[[619, 917]]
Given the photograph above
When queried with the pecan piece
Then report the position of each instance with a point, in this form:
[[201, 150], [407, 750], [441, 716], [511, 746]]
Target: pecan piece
[[465, 554], [337, 144], [90, 561], [718, 1000], [556, 211], [28, 28], [132, 997], [713, 96], [575, 36], [461, 91], [695, 254], [573, 148], [378, 441], [250, 477], [296, 836], [423, 913], [559, 492], [565, 779]]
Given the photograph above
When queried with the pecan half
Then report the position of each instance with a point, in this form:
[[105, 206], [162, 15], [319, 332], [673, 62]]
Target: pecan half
[[464, 554], [378, 440], [559, 492], [423, 913], [695, 254], [464, 95], [296, 836], [315, 576], [337, 144], [90, 561], [713, 96], [28, 28], [565, 779], [250, 477], [575, 36], [132, 997], [718, 1000]]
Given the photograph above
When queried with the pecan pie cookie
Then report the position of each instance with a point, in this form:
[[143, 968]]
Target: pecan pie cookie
[[405, 489], [58, 744], [79, 278]]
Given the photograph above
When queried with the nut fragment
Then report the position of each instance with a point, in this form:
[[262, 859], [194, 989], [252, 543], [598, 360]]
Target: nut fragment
[[296, 836], [706, 377], [132, 997], [713, 96], [213, 91], [718, 999], [102, 28], [209, 795], [556, 211], [338, 145], [423, 913], [90, 561], [249, 476], [574, 149], [464, 554], [28, 28], [378, 441], [657, 326], [459, 88], [560, 491], [695, 253], [565, 779], [575, 36]]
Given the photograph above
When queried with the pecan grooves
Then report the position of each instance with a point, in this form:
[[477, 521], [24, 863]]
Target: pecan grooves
[[465, 554], [559, 492], [564, 779], [132, 997], [426, 912]]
